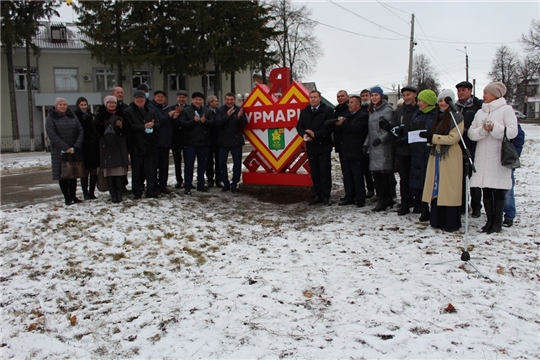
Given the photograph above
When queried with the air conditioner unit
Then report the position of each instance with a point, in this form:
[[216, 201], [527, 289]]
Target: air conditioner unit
[[87, 78]]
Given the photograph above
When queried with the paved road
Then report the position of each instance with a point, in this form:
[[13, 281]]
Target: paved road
[[35, 186]]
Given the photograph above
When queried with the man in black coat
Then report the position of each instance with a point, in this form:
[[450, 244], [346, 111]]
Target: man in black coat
[[230, 119], [402, 117], [318, 142], [141, 123], [178, 140], [354, 130], [341, 110], [197, 121], [212, 168], [468, 105]]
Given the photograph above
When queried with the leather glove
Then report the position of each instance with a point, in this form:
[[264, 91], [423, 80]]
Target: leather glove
[[426, 135], [385, 125], [365, 150], [376, 142], [400, 142]]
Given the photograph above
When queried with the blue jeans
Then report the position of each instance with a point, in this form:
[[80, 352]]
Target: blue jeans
[[236, 153], [510, 202], [190, 152]]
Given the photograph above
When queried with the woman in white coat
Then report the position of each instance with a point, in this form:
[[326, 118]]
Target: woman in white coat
[[487, 129]]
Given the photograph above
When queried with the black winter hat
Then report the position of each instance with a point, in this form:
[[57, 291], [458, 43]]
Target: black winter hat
[[409, 88], [464, 84]]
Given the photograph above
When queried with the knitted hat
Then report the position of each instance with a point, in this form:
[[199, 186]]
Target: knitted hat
[[497, 89], [428, 96], [447, 92], [377, 89], [109, 98], [58, 100]]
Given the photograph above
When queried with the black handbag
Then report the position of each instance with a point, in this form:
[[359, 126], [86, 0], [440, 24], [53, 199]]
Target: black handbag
[[71, 167], [509, 155]]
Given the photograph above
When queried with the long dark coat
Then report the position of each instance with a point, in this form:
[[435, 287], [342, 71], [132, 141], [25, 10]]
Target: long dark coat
[[91, 139], [64, 131], [111, 153], [230, 133]]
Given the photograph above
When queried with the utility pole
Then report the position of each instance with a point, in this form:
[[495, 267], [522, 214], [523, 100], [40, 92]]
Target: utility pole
[[411, 49], [466, 62]]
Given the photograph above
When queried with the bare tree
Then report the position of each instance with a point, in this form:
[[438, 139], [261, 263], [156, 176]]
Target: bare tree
[[295, 44], [505, 69], [531, 41], [423, 76]]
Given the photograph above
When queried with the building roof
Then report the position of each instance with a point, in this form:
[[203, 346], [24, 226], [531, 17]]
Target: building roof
[[74, 37]]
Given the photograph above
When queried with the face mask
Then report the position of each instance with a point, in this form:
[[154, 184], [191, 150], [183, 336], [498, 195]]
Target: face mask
[[365, 103], [149, 131], [147, 95]]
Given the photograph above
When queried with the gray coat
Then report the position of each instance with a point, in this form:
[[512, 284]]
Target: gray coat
[[64, 131], [380, 157]]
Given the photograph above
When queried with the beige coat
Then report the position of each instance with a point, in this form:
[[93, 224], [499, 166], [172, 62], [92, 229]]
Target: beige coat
[[450, 170]]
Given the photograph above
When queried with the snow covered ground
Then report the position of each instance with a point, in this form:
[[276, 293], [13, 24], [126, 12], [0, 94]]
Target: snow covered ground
[[261, 275]]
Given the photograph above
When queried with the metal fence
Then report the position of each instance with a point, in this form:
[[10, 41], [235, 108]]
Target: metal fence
[[7, 143]]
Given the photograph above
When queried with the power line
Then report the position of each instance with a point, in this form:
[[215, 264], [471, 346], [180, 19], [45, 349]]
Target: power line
[[354, 33], [399, 17], [363, 18], [435, 51]]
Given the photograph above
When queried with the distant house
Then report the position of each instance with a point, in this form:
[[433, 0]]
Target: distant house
[[64, 68]]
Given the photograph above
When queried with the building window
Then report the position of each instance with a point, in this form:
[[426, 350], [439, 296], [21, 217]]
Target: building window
[[105, 80], [139, 77], [20, 78], [177, 82], [58, 34], [66, 80], [210, 80]]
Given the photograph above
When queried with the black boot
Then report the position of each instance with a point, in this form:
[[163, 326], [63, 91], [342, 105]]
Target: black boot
[[73, 190], [424, 216], [476, 202], [64, 186], [92, 188], [405, 208], [112, 188], [496, 226], [119, 188], [385, 197], [84, 187], [489, 207]]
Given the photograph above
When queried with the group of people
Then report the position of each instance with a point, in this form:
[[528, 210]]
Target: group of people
[[424, 140], [142, 134]]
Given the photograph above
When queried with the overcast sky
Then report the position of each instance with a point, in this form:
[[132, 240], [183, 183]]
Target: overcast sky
[[353, 62], [378, 53]]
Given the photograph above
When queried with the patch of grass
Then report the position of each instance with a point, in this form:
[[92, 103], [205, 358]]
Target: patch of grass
[[198, 255], [191, 238], [118, 256], [168, 235]]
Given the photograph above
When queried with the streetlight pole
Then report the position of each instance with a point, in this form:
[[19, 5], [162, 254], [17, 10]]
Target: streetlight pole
[[466, 62]]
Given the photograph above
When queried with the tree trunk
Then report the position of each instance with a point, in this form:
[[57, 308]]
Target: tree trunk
[[166, 82], [13, 101], [217, 80], [29, 93], [233, 83]]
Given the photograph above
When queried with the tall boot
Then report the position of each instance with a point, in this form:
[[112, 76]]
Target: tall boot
[[92, 188], [385, 197], [84, 187], [119, 187], [476, 202], [424, 216], [500, 200], [112, 188], [73, 190], [64, 186], [489, 207]]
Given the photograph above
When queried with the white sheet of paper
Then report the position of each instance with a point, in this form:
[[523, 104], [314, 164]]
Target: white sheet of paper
[[414, 137]]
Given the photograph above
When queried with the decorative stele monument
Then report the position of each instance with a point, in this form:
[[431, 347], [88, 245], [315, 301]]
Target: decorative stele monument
[[280, 155]]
